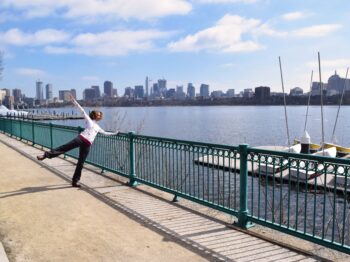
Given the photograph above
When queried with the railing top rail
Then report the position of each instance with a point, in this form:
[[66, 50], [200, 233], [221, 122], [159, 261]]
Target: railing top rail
[[322, 159], [194, 143]]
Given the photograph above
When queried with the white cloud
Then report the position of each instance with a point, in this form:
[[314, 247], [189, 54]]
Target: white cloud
[[316, 30], [294, 16], [226, 36], [42, 37], [124, 9], [32, 72], [110, 43]]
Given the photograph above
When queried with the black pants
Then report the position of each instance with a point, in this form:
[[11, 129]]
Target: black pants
[[84, 149]]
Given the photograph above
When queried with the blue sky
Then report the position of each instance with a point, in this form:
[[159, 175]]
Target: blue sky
[[224, 43]]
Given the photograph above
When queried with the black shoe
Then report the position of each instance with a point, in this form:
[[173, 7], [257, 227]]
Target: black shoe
[[41, 158], [75, 184]]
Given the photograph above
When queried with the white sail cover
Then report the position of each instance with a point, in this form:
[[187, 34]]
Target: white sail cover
[[4, 111]]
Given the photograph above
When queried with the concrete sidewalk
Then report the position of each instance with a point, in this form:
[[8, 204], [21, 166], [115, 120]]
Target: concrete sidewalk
[[42, 218]]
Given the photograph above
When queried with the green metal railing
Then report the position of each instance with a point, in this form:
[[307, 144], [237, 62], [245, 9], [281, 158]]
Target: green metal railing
[[303, 195]]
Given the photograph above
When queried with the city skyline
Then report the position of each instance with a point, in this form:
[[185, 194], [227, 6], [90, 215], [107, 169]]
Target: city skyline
[[227, 44]]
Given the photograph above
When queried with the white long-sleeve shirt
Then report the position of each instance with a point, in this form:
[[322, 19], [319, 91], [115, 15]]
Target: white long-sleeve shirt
[[91, 127]]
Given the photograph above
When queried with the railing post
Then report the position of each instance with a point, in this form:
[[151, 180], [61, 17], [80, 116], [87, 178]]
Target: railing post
[[20, 129], [243, 188], [51, 137], [132, 175], [33, 133]]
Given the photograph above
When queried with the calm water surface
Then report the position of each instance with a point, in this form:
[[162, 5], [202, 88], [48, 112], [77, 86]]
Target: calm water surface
[[255, 125]]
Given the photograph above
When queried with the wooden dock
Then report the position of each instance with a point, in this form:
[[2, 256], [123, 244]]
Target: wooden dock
[[320, 179]]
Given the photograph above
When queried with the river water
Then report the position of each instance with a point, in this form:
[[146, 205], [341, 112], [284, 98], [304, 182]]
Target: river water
[[232, 125]]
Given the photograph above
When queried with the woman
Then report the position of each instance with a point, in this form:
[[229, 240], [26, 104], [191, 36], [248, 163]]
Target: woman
[[84, 141]]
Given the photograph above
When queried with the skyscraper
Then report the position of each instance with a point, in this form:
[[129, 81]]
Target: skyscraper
[[17, 94], [97, 91], [139, 91], [146, 85], [191, 91], [39, 90], [204, 90], [48, 88], [108, 88]]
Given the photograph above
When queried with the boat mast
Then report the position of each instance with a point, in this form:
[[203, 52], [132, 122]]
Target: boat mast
[[340, 102], [285, 104], [308, 101], [321, 93]]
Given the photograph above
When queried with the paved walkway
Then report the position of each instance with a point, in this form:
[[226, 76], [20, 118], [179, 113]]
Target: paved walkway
[[42, 218]]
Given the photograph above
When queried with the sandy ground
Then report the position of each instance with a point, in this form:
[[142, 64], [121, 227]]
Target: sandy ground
[[42, 218]]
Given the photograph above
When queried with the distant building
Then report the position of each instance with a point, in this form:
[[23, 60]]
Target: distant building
[[139, 91], [336, 84], [296, 91], [129, 92], [2, 95], [217, 94], [7, 91], [64, 95], [262, 93], [248, 93], [180, 94], [114, 92], [171, 93], [39, 91], [147, 86], [155, 90], [191, 91], [9, 102], [74, 93], [230, 93], [315, 88], [48, 89], [108, 88], [89, 94], [97, 91], [204, 90], [162, 87], [17, 94]]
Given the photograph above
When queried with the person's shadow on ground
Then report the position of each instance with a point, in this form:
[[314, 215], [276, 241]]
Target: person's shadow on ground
[[29, 190]]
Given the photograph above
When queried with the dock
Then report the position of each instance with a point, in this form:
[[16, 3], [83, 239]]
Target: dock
[[321, 179]]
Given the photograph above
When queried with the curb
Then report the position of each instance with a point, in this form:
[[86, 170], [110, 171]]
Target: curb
[[3, 256]]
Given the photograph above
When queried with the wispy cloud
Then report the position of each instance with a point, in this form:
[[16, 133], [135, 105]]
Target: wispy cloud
[[32, 72], [110, 43], [294, 16], [124, 9], [316, 30], [42, 37]]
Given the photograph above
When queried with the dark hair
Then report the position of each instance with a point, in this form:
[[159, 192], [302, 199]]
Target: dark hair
[[93, 114]]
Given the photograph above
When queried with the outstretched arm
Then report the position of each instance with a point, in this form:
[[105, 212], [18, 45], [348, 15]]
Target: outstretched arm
[[86, 116], [108, 133]]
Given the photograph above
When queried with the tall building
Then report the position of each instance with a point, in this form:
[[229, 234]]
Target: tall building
[[48, 90], [204, 90], [217, 94], [97, 91], [108, 88], [73, 93], [248, 93], [39, 90], [230, 93], [17, 94], [336, 84], [146, 86], [129, 92], [262, 92], [315, 88], [191, 91], [180, 94], [89, 94], [162, 87], [139, 91]]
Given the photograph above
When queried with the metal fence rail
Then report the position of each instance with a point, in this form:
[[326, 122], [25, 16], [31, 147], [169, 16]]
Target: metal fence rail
[[302, 195]]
